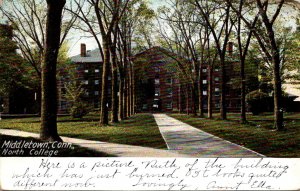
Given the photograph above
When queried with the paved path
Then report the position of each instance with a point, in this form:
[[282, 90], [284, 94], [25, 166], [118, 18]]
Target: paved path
[[186, 139], [118, 150]]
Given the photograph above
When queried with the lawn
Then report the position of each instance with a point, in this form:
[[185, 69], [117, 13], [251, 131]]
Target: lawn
[[258, 134], [140, 129], [75, 151]]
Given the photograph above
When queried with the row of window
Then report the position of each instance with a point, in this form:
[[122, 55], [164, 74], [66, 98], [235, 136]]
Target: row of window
[[169, 91], [217, 79], [168, 81], [204, 70], [217, 92], [96, 93], [86, 82], [87, 71], [96, 82]]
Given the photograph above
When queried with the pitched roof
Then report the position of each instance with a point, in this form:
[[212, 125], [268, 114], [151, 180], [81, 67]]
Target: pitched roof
[[91, 57]]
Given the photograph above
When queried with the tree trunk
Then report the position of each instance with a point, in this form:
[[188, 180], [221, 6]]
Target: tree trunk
[[180, 99], [194, 98], [132, 90], [200, 94], [127, 96], [49, 89], [243, 92], [223, 109], [104, 90], [121, 96], [275, 50], [210, 92], [114, 100], [187, 100], [129, 103], [278, 109]]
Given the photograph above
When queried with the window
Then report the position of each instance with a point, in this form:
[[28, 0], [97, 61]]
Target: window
[[157, 91], [204, 81], [169, 105], [217, 69], [86, 82], [156, 81], [169, 80], [204, 70], [96, 93], [217, 105], [145, 107], [96, 82], [63, 104], [156, 69], [97, 71], [217, 79], [86, 93], [217, 89], [86, 71], [169, 91], [109, 77], [204, 92]]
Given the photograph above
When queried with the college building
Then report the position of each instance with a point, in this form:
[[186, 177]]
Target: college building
[[161, 88]]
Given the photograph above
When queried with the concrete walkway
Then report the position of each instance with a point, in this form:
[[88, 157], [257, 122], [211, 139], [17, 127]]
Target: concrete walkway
[[118, 150], [188, 140]]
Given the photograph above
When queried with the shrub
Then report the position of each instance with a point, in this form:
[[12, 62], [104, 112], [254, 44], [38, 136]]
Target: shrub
[[79, 110], [257, 101]]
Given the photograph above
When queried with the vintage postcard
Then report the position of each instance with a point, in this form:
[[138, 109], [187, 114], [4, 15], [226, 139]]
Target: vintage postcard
[[149, 95]]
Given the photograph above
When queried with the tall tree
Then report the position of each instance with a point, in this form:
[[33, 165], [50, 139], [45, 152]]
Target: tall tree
[[186, 39], [49, 88], [270, 46], [221, 37], [13, 69], [28, 18], [243, 50]]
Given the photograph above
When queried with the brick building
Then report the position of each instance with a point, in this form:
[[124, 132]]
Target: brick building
[[161, 89], [88, 65], [158, 85]]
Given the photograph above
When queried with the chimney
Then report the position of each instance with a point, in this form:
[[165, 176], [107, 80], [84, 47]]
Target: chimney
[[82, 50], [230, 48]]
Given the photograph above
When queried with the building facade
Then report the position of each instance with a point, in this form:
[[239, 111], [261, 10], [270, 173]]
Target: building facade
[[158, 84], [88, 68], [160, 88]]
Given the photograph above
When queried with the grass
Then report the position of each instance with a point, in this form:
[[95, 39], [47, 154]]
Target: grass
[[140, 129], [76, 151], [258, 134]]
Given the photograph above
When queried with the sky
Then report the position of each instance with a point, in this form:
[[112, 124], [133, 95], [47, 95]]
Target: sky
[[76, 39]]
